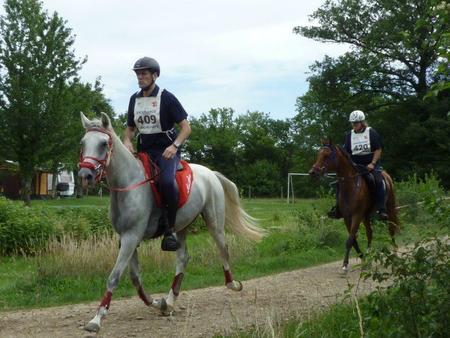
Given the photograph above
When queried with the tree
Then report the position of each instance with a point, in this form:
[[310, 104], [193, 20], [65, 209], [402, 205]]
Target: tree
[[393, 62], [37, 64], [214, 141], [397, 41], [67, 129], [265, 153]]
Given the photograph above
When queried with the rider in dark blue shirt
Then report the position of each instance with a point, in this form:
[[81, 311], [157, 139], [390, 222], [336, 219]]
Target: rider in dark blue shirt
[[154, 112], [364, 145]]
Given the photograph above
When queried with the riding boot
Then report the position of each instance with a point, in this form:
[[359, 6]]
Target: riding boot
[[169, 242], [381, 213], [334, 213]]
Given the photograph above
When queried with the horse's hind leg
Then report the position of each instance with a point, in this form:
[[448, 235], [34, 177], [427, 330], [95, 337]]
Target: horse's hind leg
[[136, 279], [215, 222], [166, 305], [128, 245]]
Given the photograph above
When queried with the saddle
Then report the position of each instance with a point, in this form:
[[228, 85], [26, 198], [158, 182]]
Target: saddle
[[369, 178], [184, 178]]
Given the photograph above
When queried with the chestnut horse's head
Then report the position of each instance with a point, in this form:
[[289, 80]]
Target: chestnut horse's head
[[326, 160]]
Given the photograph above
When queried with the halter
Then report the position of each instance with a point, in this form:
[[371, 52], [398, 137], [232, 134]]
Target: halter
[[100, 167], [330, 160]]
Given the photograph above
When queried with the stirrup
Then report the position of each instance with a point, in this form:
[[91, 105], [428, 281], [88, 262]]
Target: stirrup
[[334, 213], [169, 242], [382, 215]]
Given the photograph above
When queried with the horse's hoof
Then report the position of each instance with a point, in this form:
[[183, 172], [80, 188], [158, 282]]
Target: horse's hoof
[[235, 285], [165, 308], [156, 304], [344, 270], [92, 327]]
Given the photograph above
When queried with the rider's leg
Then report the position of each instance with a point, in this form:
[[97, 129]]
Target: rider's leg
[[335, 212], [380, 195], [169, 192]]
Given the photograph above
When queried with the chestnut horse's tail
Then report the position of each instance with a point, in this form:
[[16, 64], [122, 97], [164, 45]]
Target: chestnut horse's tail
[[391, 206]]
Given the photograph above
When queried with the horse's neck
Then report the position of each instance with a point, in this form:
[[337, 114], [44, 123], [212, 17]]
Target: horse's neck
[[123, 169], [344, 167]]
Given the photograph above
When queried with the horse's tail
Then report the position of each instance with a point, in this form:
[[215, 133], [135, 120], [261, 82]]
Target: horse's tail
[[391, 206], [236, 218]]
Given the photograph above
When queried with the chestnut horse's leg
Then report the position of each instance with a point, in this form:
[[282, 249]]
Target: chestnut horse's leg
[[352, 224], [369, 233]]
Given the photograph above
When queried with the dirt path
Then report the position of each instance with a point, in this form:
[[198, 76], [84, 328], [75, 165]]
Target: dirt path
[[199, 313]]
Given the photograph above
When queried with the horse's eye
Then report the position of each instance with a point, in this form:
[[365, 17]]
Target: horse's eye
[[104, 144]]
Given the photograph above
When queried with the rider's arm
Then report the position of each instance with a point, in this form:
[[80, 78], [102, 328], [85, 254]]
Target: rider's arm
[[185, 131], [376, 156]]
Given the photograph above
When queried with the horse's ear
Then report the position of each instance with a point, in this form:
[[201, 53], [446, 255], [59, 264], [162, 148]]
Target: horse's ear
[[106, 122], [84, 120]]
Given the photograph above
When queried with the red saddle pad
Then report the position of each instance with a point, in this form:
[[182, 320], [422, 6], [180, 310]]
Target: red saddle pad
[[184, 179]]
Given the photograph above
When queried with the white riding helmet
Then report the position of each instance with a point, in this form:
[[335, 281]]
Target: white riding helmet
[[356, 116]]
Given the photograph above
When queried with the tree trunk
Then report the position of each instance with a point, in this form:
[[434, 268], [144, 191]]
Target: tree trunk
[[25, 191], [54, 181], [78, 187]]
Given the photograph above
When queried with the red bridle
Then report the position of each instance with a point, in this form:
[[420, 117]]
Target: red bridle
[[99, 166]]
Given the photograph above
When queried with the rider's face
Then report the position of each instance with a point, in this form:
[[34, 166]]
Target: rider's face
[[145, 78], [357, 126]]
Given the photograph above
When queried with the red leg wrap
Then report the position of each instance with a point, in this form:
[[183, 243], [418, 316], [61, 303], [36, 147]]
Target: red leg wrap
[[176, 284], [143, 296], [106, 300], [228, 277]]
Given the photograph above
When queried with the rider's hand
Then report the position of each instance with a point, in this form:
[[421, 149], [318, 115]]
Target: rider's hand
[[370, 166], [170, 152]]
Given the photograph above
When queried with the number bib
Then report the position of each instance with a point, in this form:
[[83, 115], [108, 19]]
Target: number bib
[[147, 114], [360, 142]]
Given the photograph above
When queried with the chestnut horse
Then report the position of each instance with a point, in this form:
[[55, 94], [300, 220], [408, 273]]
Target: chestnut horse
[[355, 201]]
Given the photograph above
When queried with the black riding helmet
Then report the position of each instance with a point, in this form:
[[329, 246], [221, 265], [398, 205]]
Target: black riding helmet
[[147, 63]]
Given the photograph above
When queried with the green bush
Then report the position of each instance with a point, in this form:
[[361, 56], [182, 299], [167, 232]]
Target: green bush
[[315, 230], [417, 301], [414, 191], [82, 223], [24, 230]]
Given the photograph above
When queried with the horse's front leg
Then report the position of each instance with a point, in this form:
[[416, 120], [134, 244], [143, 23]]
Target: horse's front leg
[[136, 279], [128, 244], [354, 222], [166, 305]]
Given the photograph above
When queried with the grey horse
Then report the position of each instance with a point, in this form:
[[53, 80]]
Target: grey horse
[[135, 216]]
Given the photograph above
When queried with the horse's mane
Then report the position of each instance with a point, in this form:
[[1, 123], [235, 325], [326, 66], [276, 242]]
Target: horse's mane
[[347, 156], [97, 123]]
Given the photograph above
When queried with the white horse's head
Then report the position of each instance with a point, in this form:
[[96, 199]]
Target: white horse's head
[[96, 147]]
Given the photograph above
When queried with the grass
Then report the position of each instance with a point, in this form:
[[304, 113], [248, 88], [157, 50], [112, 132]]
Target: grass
[[71, 271]]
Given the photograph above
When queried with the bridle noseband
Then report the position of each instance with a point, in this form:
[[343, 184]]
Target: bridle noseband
[[331, 159], [99, 166]]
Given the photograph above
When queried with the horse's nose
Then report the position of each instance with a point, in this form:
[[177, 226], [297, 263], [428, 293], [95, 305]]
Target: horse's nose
[[86, 175], [313, 173]]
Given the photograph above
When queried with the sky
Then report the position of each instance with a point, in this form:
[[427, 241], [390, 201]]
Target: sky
[[239, 54]]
